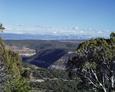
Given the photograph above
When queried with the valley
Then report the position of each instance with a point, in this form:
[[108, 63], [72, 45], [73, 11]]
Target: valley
[[45, 63], [57, 45], [47, 54], [53, 66]]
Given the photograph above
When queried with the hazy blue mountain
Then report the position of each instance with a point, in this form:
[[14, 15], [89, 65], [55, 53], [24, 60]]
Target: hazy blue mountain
[[12, 36]]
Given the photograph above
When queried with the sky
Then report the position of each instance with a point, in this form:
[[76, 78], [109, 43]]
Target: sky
[[58, 17]]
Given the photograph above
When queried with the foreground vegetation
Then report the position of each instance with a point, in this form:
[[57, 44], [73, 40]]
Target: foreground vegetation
[[10, 72], [94, 65]]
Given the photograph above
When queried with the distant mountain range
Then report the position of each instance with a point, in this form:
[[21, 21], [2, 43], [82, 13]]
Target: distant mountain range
[[13, 36]]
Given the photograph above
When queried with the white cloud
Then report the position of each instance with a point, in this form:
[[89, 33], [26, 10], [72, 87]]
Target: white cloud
[[82, 32], [76, 28], [38, 29], [100, 32]]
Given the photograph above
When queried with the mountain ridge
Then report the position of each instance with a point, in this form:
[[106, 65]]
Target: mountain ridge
[[14, 36]]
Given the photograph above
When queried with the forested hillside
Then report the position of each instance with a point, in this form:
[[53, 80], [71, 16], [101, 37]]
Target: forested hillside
[[45, 44], [94, 65]]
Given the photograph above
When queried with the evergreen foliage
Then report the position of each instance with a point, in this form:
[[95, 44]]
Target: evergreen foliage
[[13, 81], [94, 64]]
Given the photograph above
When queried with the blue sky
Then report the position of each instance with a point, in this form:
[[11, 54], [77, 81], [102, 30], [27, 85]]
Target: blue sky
[[84, 17]]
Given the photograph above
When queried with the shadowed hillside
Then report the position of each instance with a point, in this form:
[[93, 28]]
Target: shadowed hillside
[[46, 58]]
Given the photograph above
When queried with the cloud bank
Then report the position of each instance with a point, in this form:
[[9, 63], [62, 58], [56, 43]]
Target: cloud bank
[[38, 29]]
